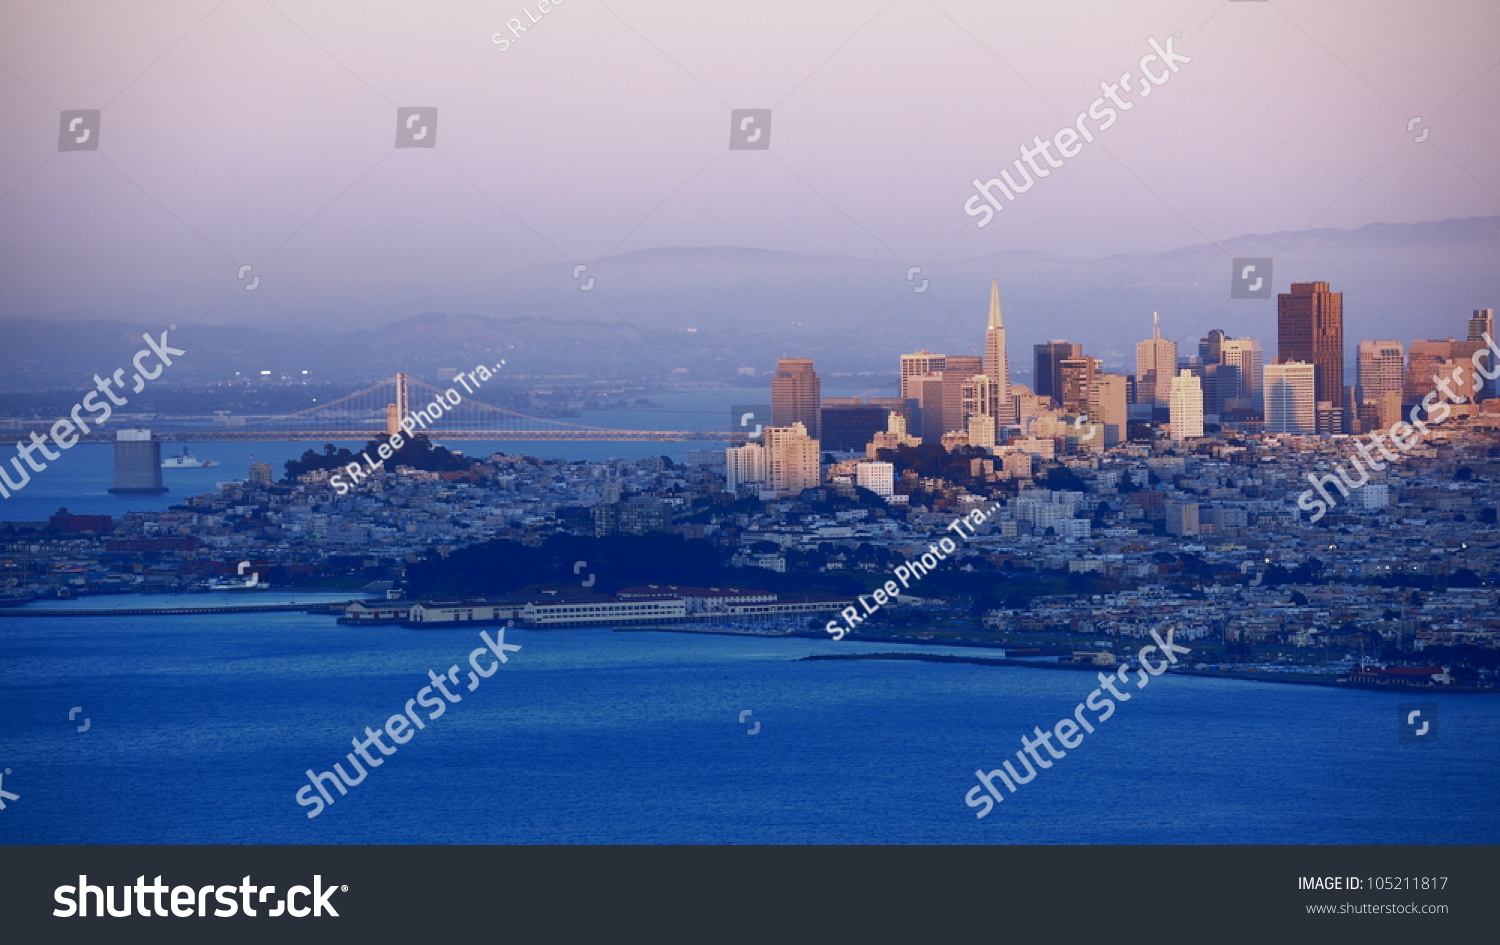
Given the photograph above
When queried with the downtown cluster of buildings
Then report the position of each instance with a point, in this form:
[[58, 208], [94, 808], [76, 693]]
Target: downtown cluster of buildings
[[1074, 405]]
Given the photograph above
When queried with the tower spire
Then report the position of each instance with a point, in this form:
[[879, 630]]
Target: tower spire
[[996, 364], [1155, 324]]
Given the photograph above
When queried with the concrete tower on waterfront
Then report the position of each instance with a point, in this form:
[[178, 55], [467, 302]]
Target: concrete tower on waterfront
[[137, 464], [996, 365]]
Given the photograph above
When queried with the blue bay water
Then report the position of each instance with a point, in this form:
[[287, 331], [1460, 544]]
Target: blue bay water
[[201, 729]]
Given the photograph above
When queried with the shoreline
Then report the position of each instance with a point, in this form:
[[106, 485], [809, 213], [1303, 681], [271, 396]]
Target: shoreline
[[1330, 683]]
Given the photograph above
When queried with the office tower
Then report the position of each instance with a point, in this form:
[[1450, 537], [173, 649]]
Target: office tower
[[955, 376], [996, 364], [796, 395], [1155, 365], [1245, 354], [1310, 328], [1077, 376], [927, 395], [1291, 400], [978, 410], [1221, 384], [1482, 323], [1210, 347], [137, 464], [793, 462], [917, 365], [1381, 369], [1046, 378], [1430, 360], [261, 473], [878, 477], [744, 464], [850, 426], [1109, 404], [1186, 405]]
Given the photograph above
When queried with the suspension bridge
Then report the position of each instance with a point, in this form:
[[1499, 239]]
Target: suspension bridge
[[379, 409]]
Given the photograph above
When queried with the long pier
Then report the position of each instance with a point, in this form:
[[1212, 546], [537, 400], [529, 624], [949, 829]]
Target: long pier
[[329, 606]]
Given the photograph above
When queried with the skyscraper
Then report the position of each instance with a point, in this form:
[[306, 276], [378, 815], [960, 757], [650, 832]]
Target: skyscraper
[[1108, 404], [1186, 405], [1077, 375], [744, 464], [1482, 323], [916, 365], [1210, 347], [996, 364], [796, 395], [1310, 328], [1245, 354], [1291, 405], [1046, 378], [1381, 369], [793, 462], [1155, 365]]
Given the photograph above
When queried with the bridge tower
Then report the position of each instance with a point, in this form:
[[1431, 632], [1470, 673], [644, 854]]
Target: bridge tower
[[396, 412]]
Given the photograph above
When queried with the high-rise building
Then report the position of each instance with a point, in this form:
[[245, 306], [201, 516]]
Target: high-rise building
[[1109, 404], [1210, 347], [1430, 360], [793, 459], [137, 464], [996, 362], [1482, 323], [978, 410], [850, 426], [1291, 400], [1077, 376], [1155, 365], [1245, 354], [1186, 405], [1382, 369], [1310, 328], [960, 368], [1046, 378], [1221, 384], [796, 395], [918, 365], [261, 473], [744, 465]]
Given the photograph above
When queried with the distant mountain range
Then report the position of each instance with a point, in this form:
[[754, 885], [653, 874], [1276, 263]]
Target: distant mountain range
[[701, 313]]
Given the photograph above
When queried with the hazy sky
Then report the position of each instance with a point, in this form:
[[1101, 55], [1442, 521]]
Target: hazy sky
[[254, 132]]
